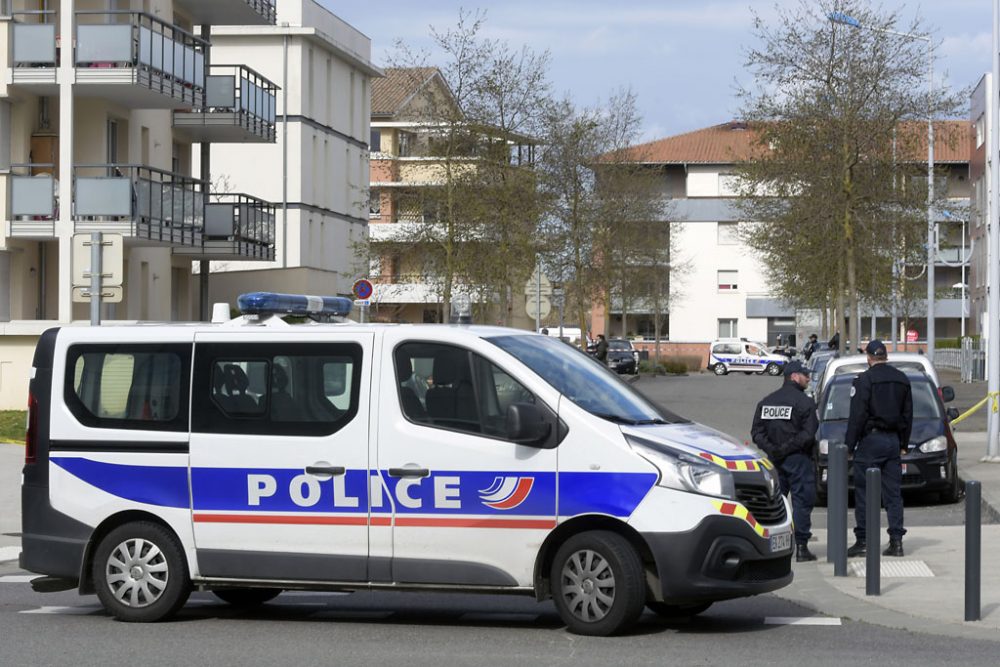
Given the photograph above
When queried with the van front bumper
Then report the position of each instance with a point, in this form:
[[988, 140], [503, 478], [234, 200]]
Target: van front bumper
[[719, 559]]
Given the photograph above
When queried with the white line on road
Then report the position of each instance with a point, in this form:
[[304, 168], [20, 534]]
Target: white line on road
[[800, 620], [17, 578], [65, 611], [9, 553]]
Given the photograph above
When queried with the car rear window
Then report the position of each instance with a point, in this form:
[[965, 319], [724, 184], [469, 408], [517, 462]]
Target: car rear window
[[837, 403]]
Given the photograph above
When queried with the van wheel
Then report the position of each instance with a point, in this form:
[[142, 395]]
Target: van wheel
[[773, 369], [247, 597], [140, 573], [677, 610], [598, 583], [720, 369]]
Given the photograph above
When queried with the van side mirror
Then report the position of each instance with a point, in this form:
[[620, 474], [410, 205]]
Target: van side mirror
[[947, 394], [952, 414], [526, 424]]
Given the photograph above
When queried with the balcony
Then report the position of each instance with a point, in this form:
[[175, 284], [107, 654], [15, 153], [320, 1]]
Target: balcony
[[142, 203], [33, 50], [228, 12], [237, 226], [34, 201], [138, 61], [239, 108]]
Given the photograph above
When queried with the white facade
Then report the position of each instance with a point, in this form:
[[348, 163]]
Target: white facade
[[317, 171]]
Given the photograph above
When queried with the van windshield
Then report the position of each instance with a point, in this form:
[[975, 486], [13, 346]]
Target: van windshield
[[584, 381]]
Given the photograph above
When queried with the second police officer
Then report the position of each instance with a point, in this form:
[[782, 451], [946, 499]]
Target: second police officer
[[878, 431], [784, 426]]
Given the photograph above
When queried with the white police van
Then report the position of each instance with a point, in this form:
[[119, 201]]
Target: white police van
[[740, 354], [254, 456]]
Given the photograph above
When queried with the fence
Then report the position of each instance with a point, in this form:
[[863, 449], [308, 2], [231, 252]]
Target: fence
[[969, 360]]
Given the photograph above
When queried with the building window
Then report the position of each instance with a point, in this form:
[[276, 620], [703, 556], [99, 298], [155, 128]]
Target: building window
[[375, 203], [729, 185], [728, 281], [980, 130], [405, 143], [375, 145], [728, 233], [727, 328]]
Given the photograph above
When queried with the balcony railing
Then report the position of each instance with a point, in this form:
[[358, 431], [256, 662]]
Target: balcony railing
[[139, 201], [135, 47], [229, 12], [240, 106], [34, 200], [237, 226], [33, 37]]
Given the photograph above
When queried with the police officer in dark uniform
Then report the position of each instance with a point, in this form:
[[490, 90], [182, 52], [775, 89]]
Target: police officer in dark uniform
[[878, 431], [784, 426]]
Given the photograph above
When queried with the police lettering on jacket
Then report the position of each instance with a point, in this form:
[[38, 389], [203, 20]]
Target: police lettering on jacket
[[785, 422]]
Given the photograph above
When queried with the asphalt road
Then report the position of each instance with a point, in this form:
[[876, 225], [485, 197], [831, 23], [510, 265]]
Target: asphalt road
[[443, 630]]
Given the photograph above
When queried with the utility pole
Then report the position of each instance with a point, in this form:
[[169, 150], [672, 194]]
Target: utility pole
[[992, 328]]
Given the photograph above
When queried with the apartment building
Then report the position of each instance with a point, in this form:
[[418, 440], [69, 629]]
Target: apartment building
[[409, 108], [101, 103], [724, 291], [316, 170], [979, 209]]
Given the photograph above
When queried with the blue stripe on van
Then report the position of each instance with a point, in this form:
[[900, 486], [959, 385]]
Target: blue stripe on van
[[442, 493]]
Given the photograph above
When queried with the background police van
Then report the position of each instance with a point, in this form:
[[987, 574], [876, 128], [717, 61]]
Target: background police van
[[253, 456], [739, 354]]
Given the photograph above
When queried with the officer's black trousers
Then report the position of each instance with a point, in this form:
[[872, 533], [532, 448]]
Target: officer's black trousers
[[879, 450], [797, 475]]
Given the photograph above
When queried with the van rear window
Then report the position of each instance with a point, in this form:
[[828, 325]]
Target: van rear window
[[132, 387]]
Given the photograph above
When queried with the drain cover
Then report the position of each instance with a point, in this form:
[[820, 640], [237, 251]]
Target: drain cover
[[893, 568]]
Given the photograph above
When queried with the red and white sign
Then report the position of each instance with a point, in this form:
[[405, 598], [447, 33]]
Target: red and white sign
[[911, 335]]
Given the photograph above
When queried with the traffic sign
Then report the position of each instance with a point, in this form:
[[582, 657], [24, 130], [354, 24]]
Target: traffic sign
[[363, 289], [535, 308], [109, 294], [532, 286], [112, 260]]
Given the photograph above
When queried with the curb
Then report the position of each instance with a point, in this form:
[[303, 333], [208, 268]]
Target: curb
[[809, 589], [990, 500]]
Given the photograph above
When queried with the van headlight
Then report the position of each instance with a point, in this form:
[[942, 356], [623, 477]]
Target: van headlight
[[824, 446], [681, 471], [938, 444]]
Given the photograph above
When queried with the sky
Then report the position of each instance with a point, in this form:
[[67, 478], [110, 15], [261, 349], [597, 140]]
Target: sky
[[682, 58]]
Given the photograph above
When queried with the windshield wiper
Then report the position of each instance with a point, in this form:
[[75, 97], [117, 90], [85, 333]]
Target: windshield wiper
[[655, 420], [618, 419]]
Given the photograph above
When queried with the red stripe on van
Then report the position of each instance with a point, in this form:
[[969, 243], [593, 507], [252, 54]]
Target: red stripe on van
[[474, 523], [283, 519]]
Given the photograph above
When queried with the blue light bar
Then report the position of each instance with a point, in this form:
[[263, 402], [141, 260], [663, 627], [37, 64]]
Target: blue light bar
[[272, 303]]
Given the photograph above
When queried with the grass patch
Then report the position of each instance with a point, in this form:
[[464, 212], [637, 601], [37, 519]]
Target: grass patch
[[12, 425]]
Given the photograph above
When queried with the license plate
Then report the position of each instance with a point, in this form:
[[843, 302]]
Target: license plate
[[781, 542]]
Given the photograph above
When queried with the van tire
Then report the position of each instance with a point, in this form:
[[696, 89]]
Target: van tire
[[143, 564], [719, 369], [246, 597], [606, 566], [773, 369]]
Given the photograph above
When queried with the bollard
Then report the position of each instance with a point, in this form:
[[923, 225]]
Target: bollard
[[973, 549], [873, 530], [836, 510]]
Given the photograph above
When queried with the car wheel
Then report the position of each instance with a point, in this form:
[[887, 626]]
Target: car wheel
[[140, 573], [954, 491], [677, 610], [598, 583], [773, 369], [720, 369], [247, 597]]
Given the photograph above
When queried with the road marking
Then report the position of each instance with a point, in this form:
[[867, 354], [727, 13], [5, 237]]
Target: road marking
[[17, 578], [9, 553], [65, 611], [893, 568], [800, 620]]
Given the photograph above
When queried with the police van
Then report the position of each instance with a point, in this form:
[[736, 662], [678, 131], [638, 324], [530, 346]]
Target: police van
[[253, 456], [740, 354]]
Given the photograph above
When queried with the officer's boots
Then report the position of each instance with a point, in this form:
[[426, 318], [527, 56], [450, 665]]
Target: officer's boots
[[802, 553], [895, 548], [859, 548]]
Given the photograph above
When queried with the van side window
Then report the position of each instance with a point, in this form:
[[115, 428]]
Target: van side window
[[306, 389], [129, 386], [450, 387]]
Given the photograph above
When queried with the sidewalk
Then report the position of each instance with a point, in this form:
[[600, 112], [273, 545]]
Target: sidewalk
[[934, 604], [11, 462]]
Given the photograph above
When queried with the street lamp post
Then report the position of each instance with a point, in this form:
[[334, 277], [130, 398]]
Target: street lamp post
[[844, 19]]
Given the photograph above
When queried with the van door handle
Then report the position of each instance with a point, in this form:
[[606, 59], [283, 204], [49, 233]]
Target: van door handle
[[326, 470], [409, 472]]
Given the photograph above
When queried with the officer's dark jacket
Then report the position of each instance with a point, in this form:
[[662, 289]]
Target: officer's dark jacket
[[880, 401], [785, 423]]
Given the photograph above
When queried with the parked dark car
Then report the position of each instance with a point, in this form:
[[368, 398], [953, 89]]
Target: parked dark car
[[622, 357], [930, 463]]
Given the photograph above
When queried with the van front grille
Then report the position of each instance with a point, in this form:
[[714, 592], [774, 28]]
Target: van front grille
[[765, 510]]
